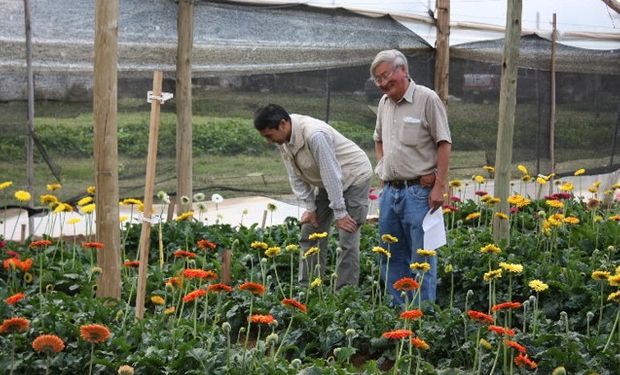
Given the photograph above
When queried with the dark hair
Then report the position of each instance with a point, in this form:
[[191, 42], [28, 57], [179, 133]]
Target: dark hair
[[270, 116]]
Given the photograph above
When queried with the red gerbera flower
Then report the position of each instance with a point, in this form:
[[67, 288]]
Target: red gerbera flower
[[11, 300], [480, 317], [406, 284], [398, 334], [501, 330], [94, 333], [40, 243], [184, 254], [296, 304], [412, 314], [515, 345], [193, 295], [194, 273], [92, 245], [219, 288], [25, 265], [254, 288], [205, 244], [523, 360], [48, 344], [15, 325], [132, 264], [506, 305], [262, 319]]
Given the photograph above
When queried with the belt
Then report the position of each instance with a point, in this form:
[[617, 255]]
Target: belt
[[401, 184]]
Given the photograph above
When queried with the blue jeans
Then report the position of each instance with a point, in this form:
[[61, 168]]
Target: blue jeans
[[401, 214]]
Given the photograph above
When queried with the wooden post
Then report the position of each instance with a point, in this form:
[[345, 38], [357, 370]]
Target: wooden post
[[185, 26], [442, 51], [554, 36], [151, 163], [106, 146], [30, 122], [226, 271], [506, 121]]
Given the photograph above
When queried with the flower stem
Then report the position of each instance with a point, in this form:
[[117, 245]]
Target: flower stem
[[611, 334]]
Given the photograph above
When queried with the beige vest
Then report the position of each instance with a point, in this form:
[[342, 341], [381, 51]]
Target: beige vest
[[353, 160]]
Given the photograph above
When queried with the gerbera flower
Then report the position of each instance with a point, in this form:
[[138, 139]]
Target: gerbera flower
[[426, 253], [423, 266], [92, 245], [131, 263], [380, 250], [614, 280], [480, 317], [189, 297], [501, 330], [406, 283], [419, 343], [411, 314], [398, 334], [48, 199], [125, 370], [526, 178], [13, 299], [261, 319], [22, 196], [317, 236], [10, 263], [158, 300], [174, 281], [511, 267], [205, 244], [131, 201], [25, 265], [259, 245], [219, 287], [389, 238], [480, 193], [501, 216], [88, 209], [5, 184], [254, 288], [170, 310], [615, 296], [522, 169], [494, 274], [316, 283], [296, 304], [292, 247], [479, 179], [84, 201], [273, 251], [94, 333], [184, 254], [472, 216], [506, 305], [455, 183], [538, 285], [554, 203], [73, 220], [193, 273], [311, 251], [600, 275], [185, 216], [490, 248], [523, 360], [91, 190], [567, 186], [48, 344], [15, 325], [63, 207], [515, 345], [485, 344], [580, 171]]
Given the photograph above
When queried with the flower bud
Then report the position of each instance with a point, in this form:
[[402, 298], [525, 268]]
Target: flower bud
[[296, 363], [272, 338], [226, 327], [350, 332]]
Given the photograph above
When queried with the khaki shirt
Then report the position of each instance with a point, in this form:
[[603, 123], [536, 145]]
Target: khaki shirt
[[410, 131]]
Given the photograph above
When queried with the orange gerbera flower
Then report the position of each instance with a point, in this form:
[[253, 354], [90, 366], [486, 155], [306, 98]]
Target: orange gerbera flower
[[506, 305], [25, 265], [398, 334], [194, 273], [296, 304], [219, 287], [189, 297], [412, 314], [177, 282], [262, 319], [15, 325], [254, 288], [515, 345], [11, 300], [92, 245], [205, 244], [48, 344], [406, 284], [480, 317], [184, 254], [95, 333], [132, 263], [40, 243], [419, 343], [501, 330], [523, 360], [10, 263]]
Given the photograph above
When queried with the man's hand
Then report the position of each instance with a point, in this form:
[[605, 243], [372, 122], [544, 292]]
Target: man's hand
[[310, 217], [347, 224], [435, 198]]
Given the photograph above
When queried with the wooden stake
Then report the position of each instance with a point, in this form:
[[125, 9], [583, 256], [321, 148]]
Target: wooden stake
[[554, 37], [226, 271], [151, 163], [442, 54]]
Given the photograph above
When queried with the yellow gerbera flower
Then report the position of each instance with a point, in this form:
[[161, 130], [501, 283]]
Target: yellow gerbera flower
[[259, 245], [526, 178], [489, 169], [502, 216], [5, 184], [490, 248], [185, 216], [472, 216], [63, 207], [580, 171], [614, 218], [541, 180], [22, 196], [424, 266], [511, 267], [479, 179], [571, 220], [158, 300], [522, 169], [594, 187], [380, 250], [615, 296], [455, 183], [48, 199], [538, 285], [131, 201], [426, 253], [73, 220], [554, 203], [123, 218], [567, 186], [311, 251], [52, 187], [292, 248], [170, 310], [316, 236], [389, 238], [316, 283], [84, 201], [494, 274], [273, 251], [614, 280], [600, 275], [88, 209]]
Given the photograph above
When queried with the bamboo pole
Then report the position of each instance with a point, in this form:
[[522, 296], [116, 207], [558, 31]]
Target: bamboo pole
[[106, 146], [30, 115], [151, 163], [185, 26], [554, 37], [506, 120], [442, 52]]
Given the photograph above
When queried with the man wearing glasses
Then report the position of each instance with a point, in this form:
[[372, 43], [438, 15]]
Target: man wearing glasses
[[412, 145]]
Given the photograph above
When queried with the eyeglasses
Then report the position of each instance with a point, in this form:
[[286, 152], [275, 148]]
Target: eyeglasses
[[384, 77]]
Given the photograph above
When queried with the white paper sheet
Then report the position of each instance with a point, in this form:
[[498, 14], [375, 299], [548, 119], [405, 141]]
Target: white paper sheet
[[434, 230]]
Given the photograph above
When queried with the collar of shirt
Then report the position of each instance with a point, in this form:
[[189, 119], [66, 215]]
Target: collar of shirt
[[408, 93]]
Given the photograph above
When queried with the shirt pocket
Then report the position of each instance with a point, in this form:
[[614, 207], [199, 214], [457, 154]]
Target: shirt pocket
[[411, 131]]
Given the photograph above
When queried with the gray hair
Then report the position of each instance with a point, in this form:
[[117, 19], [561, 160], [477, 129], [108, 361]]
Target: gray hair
[[392, 56]]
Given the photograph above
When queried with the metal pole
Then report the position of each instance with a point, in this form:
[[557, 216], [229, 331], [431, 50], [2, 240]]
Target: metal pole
[[30, 123]]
